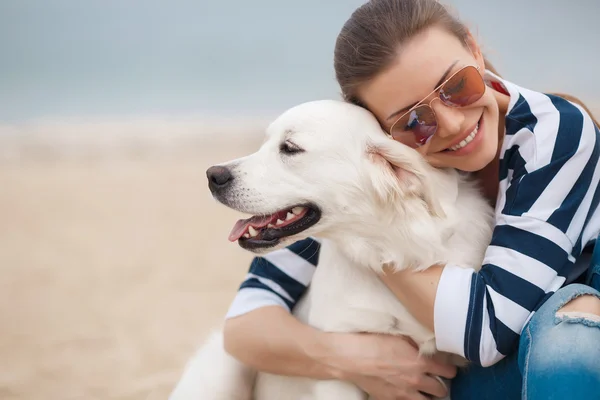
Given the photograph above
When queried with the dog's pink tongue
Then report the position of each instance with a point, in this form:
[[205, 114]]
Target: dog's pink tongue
[[241, 226]]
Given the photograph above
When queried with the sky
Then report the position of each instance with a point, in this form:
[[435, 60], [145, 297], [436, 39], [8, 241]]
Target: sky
[[110, 58]]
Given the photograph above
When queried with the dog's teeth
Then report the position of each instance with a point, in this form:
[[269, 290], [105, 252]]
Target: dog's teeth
[[297, 210], [279, 222], [289, 216], [252, 231], [247, 236], [270, 226]]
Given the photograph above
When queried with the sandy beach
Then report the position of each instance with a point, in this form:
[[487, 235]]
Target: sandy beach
[[114, 265]]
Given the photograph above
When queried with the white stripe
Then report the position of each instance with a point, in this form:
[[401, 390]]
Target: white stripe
[[274, 286], [451, 308], [316, 239], [588, 139], [528, 319], [488, 350], [501, 200], [250, 299], [557, 190], [510, 313], [526, 144], [292, 264], [526, 141], [556, 284], [537, 227], [521, 265], [546, 128], [562, 183]]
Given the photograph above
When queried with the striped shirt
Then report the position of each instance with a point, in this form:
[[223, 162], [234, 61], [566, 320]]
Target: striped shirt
[[546, 213]]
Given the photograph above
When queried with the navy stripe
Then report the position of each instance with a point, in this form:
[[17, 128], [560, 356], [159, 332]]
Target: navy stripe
[[308, 249], [512, 159], [520, 117], [265, 269], [562, 217], [593, 208], [514, 288], [532, 185], [570, 128], [474, 320], [530, 244], [543, 300], [577, 248], [568, 269], [507, 340], [511, 194], [255, 283]]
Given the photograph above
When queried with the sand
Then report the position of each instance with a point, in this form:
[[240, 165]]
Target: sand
[[113, 268]]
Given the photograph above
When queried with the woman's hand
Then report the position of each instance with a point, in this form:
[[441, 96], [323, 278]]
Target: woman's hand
[[272, 340], [387, 367]]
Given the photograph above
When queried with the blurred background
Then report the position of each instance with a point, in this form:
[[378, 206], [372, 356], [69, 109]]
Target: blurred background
[[114, 260]]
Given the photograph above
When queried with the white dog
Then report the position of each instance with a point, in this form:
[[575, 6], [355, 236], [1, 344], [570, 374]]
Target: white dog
[[373, 202]]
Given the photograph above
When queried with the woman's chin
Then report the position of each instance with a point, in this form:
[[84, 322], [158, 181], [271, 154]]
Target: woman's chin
[[471, 163]]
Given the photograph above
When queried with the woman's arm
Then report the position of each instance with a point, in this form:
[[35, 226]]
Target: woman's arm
[[416, 290], [271, 340]]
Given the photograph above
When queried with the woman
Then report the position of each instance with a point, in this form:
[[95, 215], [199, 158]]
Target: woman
[[525, 321]]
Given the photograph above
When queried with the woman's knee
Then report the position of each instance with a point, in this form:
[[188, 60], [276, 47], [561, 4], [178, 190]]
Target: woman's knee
[[573, 298], [559, 352], [564, 333], [585, 307]]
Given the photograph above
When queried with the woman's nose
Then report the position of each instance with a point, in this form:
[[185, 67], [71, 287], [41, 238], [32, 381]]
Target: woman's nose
[[450, 120]]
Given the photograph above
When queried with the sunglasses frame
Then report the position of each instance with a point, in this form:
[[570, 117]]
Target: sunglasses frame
[[438, 97]]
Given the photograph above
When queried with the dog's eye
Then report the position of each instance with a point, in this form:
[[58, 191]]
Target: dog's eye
[[288, 147]]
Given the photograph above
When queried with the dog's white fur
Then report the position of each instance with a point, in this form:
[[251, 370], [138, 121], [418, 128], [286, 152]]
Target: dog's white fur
[[381, 204]]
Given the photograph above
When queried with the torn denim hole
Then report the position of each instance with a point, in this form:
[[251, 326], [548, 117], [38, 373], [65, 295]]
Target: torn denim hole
[[574, 317]]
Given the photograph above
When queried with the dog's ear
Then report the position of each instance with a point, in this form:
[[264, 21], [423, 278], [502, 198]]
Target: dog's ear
[[405, 174]]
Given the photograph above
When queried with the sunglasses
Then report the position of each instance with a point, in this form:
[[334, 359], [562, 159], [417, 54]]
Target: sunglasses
[[415, 127]]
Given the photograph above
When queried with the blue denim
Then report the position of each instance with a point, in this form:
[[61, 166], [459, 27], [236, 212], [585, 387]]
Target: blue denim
[[558, 357]]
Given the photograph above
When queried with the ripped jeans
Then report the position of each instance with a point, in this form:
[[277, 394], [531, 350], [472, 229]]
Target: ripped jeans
[[558, 356]]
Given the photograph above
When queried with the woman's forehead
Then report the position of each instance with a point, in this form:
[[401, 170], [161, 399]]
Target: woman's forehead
[[420, 64]]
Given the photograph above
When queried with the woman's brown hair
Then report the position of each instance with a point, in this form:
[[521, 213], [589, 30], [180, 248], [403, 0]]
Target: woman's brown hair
[[369, 41]]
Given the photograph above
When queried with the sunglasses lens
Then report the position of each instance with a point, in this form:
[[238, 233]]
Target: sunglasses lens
[[464, 88], [416, 127]]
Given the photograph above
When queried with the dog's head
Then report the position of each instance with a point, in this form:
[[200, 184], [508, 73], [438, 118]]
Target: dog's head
[[326, 167]]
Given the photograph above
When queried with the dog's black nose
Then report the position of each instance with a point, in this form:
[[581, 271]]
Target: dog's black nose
[[218, 177]]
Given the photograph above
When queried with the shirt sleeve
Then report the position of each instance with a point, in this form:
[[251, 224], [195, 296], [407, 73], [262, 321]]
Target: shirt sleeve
[[278, 278], [539, 232]]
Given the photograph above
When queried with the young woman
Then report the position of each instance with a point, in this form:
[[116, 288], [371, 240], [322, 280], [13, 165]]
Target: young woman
[[529, 321]]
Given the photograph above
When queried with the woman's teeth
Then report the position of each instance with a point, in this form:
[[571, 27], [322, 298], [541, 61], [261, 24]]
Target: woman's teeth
[[466, 140]]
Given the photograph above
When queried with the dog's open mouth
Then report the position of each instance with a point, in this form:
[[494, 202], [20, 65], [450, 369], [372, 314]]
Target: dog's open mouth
[[267, 230]]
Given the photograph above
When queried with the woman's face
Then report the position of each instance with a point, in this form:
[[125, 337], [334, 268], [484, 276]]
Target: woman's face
[[423, 63]]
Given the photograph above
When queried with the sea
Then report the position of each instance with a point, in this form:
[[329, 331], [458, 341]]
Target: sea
[[63, 60]]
